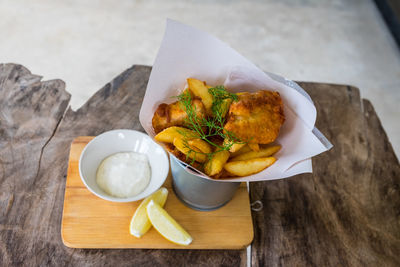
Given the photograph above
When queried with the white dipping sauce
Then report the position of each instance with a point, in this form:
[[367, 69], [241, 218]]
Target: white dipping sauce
[[124, 174]]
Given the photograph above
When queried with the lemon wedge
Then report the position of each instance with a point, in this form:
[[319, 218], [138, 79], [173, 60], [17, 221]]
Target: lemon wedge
[[166, 225], [140, 224]]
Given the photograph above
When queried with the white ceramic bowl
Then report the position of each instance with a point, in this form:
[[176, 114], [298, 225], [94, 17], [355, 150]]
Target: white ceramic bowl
[[115, 141]]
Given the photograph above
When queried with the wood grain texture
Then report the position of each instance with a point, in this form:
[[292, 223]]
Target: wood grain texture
[[91, 222], [34, 148], [347, 212]]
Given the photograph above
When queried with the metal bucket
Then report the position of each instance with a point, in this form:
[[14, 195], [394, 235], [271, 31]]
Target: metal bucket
[[199, 193]]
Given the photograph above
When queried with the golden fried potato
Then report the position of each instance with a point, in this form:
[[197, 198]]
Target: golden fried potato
[[216, 163], [262, 153], [248, 167], [202, 145], [254, 146], [224, 174], [169, 134], [234, 147], [243, 150], [200, 89], [225, 106], [179, 155], [190, 151]]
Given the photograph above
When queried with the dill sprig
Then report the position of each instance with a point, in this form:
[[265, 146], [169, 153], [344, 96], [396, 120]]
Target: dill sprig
[[221, 102], [192, 121], [211, 126], [220, 94]]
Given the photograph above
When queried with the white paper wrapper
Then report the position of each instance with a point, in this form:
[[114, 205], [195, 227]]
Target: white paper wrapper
[[187, 52]]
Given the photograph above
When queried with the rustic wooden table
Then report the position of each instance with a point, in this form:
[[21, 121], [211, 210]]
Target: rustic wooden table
[[347, 213]]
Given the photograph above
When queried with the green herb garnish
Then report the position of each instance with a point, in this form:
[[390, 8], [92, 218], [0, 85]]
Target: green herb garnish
[[212, 126]]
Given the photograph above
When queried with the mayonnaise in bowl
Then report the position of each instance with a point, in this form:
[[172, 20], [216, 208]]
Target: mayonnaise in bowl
[[133, 164], [124, 174]]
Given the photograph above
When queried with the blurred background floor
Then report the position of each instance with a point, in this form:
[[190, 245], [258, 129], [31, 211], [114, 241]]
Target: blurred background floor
[[87, 43]]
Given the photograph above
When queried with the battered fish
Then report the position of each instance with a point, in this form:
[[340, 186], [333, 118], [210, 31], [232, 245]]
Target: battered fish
[[256, 117], [174, 114]]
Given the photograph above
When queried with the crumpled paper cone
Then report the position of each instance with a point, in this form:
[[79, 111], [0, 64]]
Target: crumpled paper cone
[[187, 52]]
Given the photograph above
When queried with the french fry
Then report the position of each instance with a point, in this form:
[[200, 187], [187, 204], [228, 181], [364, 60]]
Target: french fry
[[200, 89], [225, 106], [234, 147], [248, 167], [254, 146], [216, 163], [262, 153], [190, 151], [224, 174], [168, 135], [203, 146], [187, 91], [243, 150]]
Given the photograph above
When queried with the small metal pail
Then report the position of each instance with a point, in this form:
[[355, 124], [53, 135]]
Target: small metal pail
[[199, 193]]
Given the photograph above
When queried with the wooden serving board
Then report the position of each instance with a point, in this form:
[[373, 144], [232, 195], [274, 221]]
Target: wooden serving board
[[91, 222]]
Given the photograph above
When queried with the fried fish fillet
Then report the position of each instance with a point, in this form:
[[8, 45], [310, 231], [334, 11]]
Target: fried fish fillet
[[174, 114], [256, 117]]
